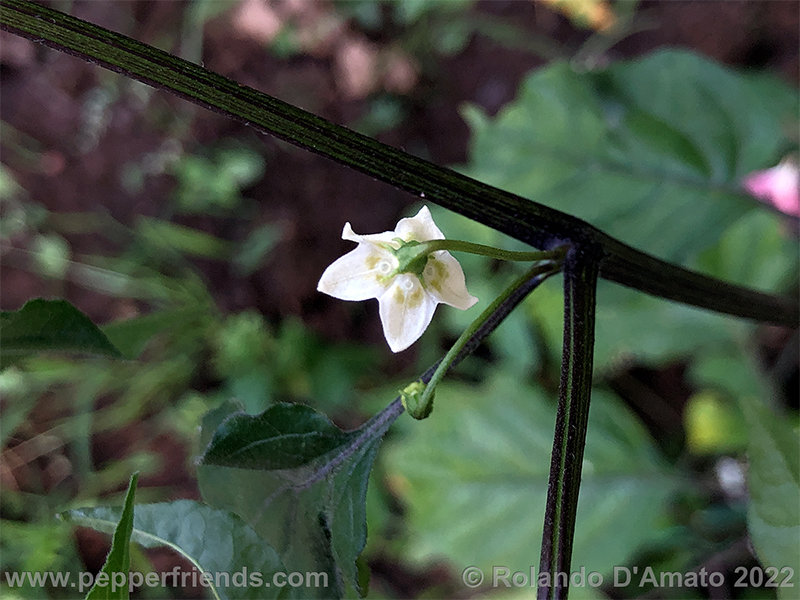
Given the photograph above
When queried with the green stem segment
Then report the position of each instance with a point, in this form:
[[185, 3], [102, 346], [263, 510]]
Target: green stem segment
[[580, 285], [418, 396], [527, 221], [491, 251], [413, 256]]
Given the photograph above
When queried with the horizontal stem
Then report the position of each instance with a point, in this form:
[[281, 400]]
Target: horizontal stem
[[491, 251], [527, 221]]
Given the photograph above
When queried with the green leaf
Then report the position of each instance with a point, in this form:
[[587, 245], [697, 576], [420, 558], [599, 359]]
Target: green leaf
[[112, 580], [644, 168], [250, 254], [214, 541], [164, 234], [284, 436], [43, 325], [301, 483], [131, 336], [638, 149], [773, 478], [757, 250], [474, 479]]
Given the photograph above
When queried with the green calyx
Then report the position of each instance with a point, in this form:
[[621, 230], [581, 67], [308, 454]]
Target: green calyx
[[418, 404], [412, 256]]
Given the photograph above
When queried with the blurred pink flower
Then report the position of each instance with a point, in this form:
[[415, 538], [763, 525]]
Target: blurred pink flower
[[778, 186]]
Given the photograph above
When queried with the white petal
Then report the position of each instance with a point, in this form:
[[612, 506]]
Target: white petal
[[420, 227], [360, 274], [444, 279], [387, 237], [406, 311]]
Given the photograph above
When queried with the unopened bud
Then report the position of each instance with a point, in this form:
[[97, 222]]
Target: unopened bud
[[413, 398]]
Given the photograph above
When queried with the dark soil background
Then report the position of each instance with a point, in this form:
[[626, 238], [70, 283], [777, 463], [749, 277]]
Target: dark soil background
[[69, 155]]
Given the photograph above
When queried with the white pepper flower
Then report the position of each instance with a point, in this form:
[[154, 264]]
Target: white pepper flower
[[407, 295]]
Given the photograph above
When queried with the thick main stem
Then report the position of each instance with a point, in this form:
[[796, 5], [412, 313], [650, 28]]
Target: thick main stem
[[580, 285]]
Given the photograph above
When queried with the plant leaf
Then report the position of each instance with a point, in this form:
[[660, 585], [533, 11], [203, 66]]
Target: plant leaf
[[214, 541], [132, 335], [663, 140], [118, 561], [773, 477], [474, 479], [42, 325], [173, 236], [301, 483]]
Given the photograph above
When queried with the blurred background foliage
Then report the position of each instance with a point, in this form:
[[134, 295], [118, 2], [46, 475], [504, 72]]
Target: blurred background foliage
[[198, 244]]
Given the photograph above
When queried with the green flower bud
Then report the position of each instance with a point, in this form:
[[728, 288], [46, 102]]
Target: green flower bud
[[413, 398]]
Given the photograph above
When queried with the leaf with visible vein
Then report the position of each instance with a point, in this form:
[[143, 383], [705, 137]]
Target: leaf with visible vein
[[214, 541]]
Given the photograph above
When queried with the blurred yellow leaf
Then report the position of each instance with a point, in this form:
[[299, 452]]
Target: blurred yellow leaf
[[594, 14], [713, 425]]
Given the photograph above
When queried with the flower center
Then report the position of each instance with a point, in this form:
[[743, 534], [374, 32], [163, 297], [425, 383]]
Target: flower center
[[407, 284], [384, 267]]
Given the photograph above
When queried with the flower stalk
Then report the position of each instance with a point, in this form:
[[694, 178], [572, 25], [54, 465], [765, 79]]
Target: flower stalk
[[413, 254], [418, 397]]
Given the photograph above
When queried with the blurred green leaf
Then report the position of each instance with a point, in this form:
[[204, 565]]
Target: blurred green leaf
[[773, 478], [713, 425], [724, 370], [43, 325], [131, 336], [9, 187], [19, 401], [756, 250], [633, 326], [34, 546], [215, 183], [241, 165], [118, 562], [413, 10], [184, 239], [214, 541], [52, 254], [202, 11], [250, 254], [474, 479], [638, 149], [301, 483]]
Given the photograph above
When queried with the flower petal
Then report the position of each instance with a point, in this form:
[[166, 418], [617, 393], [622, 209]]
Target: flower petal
[[779, 186], [387, 237], [419, 228], [360, 274], [444, 280], [406, 310]]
